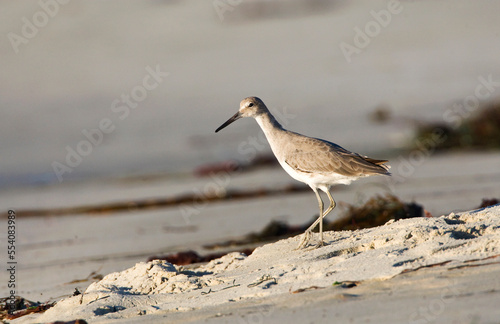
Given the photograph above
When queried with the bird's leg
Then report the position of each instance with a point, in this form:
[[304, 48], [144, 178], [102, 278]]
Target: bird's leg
[[332, 203], [327, 211], [308, 232], [320, 218]]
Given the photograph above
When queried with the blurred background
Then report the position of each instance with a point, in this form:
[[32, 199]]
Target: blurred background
[[62, 77], [117, 101]]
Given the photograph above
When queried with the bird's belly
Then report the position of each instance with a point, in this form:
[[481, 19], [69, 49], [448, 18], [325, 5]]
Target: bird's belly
[[317, 179]]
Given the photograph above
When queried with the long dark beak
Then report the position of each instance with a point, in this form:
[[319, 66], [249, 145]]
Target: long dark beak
[[229, 121]]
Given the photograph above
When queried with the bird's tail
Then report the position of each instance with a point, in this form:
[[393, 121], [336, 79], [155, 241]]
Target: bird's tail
[[380, 163]]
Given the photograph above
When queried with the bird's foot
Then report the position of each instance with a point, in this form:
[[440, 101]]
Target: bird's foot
[[305, 240], [320, 243]]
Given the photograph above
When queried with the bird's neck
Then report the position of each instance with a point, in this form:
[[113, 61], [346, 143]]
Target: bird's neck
[[268, 123], [271, 129]]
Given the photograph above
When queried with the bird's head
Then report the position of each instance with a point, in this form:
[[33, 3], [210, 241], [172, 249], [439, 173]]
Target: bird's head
[[249, 107]]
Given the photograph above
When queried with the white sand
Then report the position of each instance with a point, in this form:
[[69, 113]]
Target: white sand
[[159, 289]]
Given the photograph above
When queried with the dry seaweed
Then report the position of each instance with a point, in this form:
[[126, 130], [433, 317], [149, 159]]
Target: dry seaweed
[[162, 202], [479, 131], [190, 257], [375, 212], [489, 202], [12, 309], [262, 160]]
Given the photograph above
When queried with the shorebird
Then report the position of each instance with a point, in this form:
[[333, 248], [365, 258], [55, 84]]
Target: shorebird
[[316, 162]]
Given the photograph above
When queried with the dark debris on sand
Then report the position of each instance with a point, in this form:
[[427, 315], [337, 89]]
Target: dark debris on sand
[[480, 130], [14, 308], [375, 212], [489, 202], [263, 160], [190, 257]]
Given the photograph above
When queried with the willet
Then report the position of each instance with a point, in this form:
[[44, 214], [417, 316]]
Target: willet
[[318, 163]]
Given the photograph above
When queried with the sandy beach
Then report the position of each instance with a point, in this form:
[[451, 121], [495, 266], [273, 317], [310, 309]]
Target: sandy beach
[[108, 116], [438, 257]]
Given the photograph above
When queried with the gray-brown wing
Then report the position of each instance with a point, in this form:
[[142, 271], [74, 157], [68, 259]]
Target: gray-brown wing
[[313, 155]]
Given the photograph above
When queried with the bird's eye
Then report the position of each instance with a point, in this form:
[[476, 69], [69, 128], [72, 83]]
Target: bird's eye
[[250, 104]]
